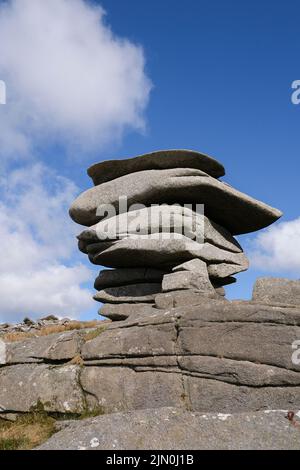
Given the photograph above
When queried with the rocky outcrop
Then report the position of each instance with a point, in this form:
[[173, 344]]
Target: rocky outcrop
[[213, 356], [277, 290], [176, 351], [34, 327], [177, 429], [150, 216]]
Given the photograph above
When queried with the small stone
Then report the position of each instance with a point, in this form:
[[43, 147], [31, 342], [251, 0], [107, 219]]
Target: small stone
[[12, 417], [220, 291], [50, 318], [195, 265], [187, 280]]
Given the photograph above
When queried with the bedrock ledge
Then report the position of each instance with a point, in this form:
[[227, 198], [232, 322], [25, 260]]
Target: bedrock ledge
[[219, 356]]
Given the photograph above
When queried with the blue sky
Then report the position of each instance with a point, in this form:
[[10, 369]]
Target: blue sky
[[221, 75]]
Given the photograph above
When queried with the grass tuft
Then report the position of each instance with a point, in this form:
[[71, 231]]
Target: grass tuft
[[27, 432], [94, 333]]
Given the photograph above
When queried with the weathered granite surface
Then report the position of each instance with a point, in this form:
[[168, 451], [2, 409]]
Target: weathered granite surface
[[159, 160], [277, 290], [160, 219], [225, 205], [214, 356], [178, 429], [164, 254], [126, 276]]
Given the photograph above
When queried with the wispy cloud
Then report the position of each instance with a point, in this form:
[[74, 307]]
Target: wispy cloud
[[37, 243], [69, 78], [71, 83], [277, 248]]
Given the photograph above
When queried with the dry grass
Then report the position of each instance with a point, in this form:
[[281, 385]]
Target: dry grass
[[26, 433], [32, 429], [48, 330], [94, 333]]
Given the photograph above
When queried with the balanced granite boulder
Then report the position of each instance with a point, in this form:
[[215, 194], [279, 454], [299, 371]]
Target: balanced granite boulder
[[164, 224]]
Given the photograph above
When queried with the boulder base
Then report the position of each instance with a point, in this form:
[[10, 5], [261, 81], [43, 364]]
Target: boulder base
[[177, 429], [277, 290], [216, 356]]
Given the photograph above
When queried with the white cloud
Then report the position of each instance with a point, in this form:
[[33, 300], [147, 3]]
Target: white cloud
[[71, 84], [37, 274], [69, 78], [277, 248]]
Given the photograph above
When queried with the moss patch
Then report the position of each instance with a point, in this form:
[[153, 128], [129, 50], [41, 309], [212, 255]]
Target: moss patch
[[96, 411]]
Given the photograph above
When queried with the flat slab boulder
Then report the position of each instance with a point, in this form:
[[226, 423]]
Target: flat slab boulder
[[219, 271], [132, 293], [177, 429], [277, 290], [118, 312], [126, 276], [163, 254], [159, 160], [161, 219], [225, 205]]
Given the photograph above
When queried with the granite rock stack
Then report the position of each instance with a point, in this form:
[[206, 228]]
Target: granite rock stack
[[164, 223]]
